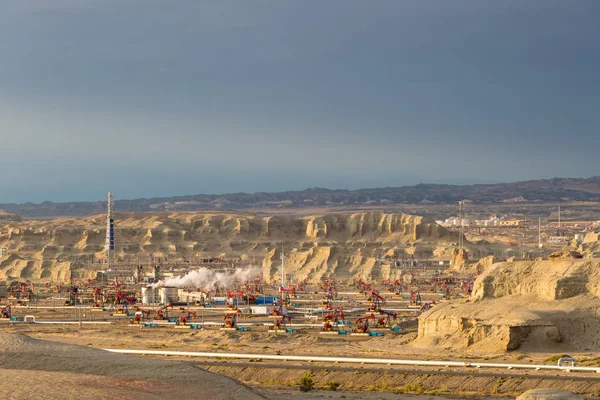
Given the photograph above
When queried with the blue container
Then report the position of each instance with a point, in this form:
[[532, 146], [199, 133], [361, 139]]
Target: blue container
[[172, 319], [342, 332], [243, 328], [266, 300]]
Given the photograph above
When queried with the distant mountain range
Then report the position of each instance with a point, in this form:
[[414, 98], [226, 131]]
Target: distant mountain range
[[542, 190]]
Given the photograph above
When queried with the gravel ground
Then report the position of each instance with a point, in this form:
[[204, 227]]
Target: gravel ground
[[326, 394], [56, 370]]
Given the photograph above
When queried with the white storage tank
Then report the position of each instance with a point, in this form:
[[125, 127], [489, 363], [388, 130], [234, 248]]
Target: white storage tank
[[168, 295], [149, 295]]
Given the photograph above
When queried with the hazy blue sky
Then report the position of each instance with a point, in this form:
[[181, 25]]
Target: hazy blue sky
[[157, 97]]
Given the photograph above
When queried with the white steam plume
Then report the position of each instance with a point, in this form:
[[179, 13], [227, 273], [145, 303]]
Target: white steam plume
[[206, 279]]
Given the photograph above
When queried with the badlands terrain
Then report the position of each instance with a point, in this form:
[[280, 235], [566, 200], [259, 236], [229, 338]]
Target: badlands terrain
[[347, 245]]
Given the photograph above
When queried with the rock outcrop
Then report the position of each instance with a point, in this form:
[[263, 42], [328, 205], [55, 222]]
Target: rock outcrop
[[590, 246], [565, 255], [484, 264], [459, 260], [549, 305]]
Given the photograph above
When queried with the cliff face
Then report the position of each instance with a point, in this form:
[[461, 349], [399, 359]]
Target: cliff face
[[546, 305], [590, 247], [347, 245], [546, 280]]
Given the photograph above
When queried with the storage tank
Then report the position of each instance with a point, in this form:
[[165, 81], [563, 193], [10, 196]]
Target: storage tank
[[168, 295], [218, 300], [149, 295]]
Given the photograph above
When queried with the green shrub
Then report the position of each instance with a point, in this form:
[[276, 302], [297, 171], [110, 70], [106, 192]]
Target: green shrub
[[307, 383], [413, 387], [496, 388]]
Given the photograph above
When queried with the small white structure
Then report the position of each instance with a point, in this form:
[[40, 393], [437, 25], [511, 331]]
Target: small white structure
[[261, 310], [557, 239]]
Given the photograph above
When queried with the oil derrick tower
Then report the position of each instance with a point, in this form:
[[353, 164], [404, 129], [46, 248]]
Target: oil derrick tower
[[110, 231]]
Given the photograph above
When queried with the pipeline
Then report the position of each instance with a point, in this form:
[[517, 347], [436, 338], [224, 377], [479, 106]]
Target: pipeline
[[461, 364]]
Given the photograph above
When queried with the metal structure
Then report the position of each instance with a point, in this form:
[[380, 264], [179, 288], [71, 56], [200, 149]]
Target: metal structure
[[282, 267], [110, 230], [558, 233], [461, 234]]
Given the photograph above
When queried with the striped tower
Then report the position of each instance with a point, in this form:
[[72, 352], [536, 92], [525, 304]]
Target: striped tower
[[110, 230]]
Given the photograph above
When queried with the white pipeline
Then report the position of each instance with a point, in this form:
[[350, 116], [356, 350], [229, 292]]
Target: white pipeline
[[461, 364]]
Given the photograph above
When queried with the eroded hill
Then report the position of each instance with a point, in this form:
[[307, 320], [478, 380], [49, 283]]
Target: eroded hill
[[545, 305], [346, 245]]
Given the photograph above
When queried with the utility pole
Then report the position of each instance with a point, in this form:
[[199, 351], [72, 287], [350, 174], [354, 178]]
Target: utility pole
[[540, 233], [559, 233], [282, 267]]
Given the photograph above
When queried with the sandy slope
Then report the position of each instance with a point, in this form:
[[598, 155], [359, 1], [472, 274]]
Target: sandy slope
[[80, 372]]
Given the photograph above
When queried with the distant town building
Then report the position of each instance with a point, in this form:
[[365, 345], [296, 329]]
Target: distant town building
[[514, 223], [490, 222], [557, 239]]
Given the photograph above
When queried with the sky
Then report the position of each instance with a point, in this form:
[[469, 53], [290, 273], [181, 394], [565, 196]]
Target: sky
[[159, 98]]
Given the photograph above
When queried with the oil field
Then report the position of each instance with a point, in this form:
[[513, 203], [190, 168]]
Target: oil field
[[358, 304]]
